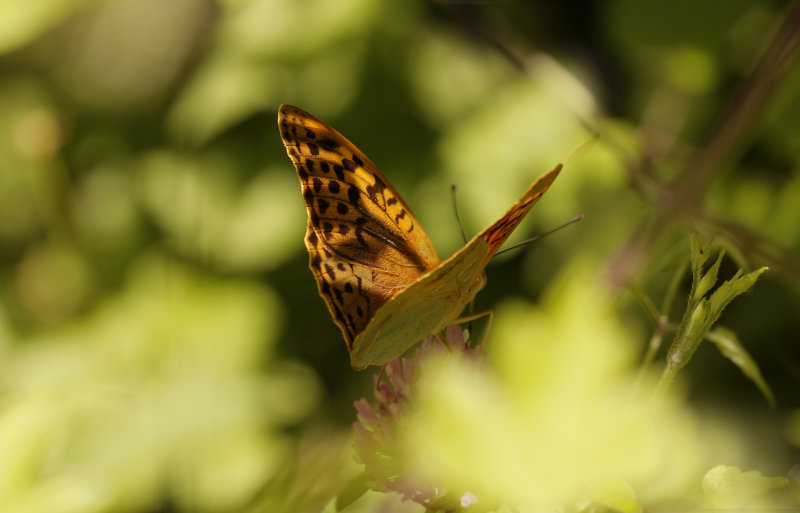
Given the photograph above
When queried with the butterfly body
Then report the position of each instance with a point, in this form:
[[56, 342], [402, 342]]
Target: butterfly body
[[375, 267]]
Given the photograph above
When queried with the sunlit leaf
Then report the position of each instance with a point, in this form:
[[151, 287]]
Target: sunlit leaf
[[160, 383], [519, 432], [728, 344], [22, 20], [729, 487]]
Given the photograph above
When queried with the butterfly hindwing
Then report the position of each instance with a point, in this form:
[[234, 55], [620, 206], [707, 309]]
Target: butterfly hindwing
[[438, 298], [426, 306]]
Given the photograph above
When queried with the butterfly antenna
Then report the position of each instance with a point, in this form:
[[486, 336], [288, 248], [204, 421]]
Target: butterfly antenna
[[455, 210], [528, 241], [464, 238], [583, 146]]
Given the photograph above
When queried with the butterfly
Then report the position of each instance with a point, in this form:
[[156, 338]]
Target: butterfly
[[375, 267]]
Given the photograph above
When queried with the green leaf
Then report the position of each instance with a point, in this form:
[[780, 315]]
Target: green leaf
[[730, 347], [701, 250], [331, 507], [729, 290], [726, 486], [709, 279], [355, 488]]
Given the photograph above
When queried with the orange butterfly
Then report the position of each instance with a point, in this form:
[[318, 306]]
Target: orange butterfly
[[375, 267]]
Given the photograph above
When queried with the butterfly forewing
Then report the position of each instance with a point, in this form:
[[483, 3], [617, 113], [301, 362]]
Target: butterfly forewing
[[364, 243], [496, 233]]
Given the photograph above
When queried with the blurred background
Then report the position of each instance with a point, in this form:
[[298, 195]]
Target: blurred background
[[162, 343]]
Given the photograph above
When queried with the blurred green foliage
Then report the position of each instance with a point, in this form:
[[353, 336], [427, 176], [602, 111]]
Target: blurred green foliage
[[162, 344]]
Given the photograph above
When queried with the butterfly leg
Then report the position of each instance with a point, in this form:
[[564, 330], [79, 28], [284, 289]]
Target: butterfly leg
[[472, 317], [380, 377], [442, 340]]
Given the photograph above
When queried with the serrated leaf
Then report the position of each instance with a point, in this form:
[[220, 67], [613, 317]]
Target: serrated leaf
[[709, 278], [728, 344], [729, 290], [700, 248]]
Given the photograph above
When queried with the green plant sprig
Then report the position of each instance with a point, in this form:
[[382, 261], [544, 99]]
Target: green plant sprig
[[702, 312]]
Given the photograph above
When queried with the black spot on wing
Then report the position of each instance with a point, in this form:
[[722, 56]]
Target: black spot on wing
[[349, 164], [351, 323], [376, 189], [353, 195], [328, 144]]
